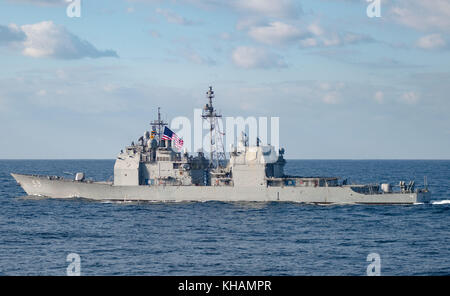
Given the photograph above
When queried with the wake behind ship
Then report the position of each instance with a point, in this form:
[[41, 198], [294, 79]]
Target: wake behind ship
[[154, 169]]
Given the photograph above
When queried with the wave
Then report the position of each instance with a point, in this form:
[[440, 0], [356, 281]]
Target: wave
[[441, 202]]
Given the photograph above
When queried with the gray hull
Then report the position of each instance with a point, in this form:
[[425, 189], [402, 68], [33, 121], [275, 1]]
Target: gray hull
[[62, 188]]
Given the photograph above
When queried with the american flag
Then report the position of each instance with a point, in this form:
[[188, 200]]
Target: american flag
[[170, 135]]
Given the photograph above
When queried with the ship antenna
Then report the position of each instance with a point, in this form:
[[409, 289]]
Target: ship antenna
[[160, 124], [210, 114], [210, 95]]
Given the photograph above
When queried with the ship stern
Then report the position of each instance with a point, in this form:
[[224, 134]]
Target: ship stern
[[423, 196]]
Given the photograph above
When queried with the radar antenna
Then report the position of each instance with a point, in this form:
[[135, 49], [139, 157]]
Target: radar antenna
[[217, 150], [158, 124]]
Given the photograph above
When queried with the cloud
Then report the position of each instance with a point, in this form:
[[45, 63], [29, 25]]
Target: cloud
[[268, 8], [331, 98], [11, 33], [154, 34], [85, 89], [41, 92], [42, 2], [310, 94], [276, 33], [263, 8], [335, 39], [410, 97], [196, 58], [46, 39], [182, 48], [174, 18], [254, 57], [315, 29], [379, 97], [326, 38], [313, 35], [330, 92], [432, 41], [422, 15]]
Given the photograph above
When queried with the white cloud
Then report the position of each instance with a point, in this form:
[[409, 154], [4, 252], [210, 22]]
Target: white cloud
[[351, 38], [174, 18], [330, 92], [379, 97], [322, 38], [45, 39], [41, 93], [422, 15], [315, 29], [332, 39], [154, 34], [331, 98], [185, 51], [432, 41], [261, 8], [11, 33], [84, 89], [225, 36], [309, 42], [280, 33], [254, 57], [110, 87], [275, 33], [196, 58], [410, 97], [268, 8], [249, 22], [42, 2]]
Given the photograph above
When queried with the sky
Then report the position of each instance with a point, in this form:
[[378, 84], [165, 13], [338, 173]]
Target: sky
[[344, 85]]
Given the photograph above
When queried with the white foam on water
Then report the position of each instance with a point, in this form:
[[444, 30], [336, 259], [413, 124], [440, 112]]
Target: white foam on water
[[441, 202], [418, 203], [118, 202]]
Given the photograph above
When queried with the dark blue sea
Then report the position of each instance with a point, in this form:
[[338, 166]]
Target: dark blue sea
[[215, 238]]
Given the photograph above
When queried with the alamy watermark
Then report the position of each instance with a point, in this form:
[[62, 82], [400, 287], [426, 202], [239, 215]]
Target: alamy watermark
[[374, 8], [74, 267], [374, 268], [74, 8], [197, 136]]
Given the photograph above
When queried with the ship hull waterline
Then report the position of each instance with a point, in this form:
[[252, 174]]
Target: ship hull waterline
[[65, 189]]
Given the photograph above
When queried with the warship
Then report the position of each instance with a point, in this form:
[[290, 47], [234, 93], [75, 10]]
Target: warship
[[153, 169]]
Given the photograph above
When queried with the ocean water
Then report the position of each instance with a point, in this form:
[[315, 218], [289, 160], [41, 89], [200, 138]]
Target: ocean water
[[215, 238]]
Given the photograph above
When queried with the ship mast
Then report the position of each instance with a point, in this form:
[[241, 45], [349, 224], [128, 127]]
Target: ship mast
[[160, 124], [210, 114]]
